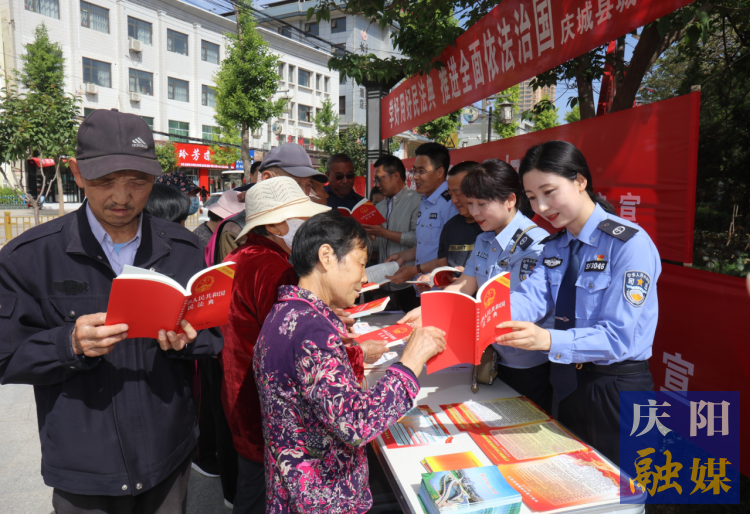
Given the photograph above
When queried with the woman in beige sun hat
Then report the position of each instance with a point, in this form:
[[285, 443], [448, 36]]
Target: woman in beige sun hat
[[274, 209]]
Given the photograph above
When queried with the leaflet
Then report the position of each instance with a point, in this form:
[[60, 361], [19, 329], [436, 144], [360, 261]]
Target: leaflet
[[418, 427], [471, 416]]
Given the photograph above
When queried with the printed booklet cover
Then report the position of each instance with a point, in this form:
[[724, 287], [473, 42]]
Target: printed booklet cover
[[365, 212], [469, 490]]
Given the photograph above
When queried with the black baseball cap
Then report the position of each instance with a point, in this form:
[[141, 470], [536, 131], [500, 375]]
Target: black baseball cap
[[293, 159], [110, 141]]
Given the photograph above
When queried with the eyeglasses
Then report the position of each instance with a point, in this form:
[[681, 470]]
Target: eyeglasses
[[340, 176], [379, 180], [420, 173]]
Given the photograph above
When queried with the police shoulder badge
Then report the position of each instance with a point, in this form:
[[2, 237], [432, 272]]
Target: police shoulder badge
[[527, 266], [446, 195], [552, 262], [635, 287]]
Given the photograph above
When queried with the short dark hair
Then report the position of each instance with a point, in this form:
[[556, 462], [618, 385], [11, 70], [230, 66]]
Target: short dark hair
[[254, 167], [168, 203], [463, 167], [342, 233], [391, 164], [212, 216], [496, 180], [437, 153], [375, 191], [260, 230], [336, 158], [563, 159]]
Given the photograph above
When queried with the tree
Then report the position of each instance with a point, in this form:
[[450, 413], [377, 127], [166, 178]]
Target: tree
[[573, 115], [441, 129], [246, 82], [512, 95], [165, 153], [227, 155], [546, 117], [350, 141]]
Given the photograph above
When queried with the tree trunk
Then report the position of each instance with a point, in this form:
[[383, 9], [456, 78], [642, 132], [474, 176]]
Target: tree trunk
[[246, 151], [585, 88], [60, 196], [35, 206]]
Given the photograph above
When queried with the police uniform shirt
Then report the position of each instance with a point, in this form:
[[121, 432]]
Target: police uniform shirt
[[616, 302], [434, 212], [457, 240], [491, 256]]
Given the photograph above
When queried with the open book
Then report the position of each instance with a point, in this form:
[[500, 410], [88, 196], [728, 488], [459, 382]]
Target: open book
[[439, 277], [367, 308], [365, 212], [148, 301], [469, 324]]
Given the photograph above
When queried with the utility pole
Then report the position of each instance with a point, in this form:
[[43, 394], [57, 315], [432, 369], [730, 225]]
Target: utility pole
[[484, 118]]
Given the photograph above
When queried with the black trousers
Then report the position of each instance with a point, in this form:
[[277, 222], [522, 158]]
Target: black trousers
[[167, 497], [205, 456], [251, 488], [225, 451], [533, 383], [592, 411]]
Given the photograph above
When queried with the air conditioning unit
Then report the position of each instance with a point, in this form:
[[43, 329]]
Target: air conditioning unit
[[135, 97], [135, 45], [91, 89]]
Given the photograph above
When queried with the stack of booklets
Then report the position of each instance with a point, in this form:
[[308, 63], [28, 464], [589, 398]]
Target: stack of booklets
[[482, 490]]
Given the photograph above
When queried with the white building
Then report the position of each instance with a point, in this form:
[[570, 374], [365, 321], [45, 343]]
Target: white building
[[352, 33]]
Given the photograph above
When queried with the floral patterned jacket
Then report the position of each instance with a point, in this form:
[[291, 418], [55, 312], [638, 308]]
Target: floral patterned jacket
[[316, 419]]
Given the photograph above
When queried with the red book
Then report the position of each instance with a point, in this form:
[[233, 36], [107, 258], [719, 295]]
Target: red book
[[367, 308], [148, 301], [364, 212], [442, 276], [469, 324], [391, 334]]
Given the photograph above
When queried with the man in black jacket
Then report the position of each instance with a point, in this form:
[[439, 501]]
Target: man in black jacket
[[116, 419]]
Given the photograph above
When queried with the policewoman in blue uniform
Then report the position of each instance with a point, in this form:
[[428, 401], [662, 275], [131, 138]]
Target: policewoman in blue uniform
[[598, 276], [511, 242]]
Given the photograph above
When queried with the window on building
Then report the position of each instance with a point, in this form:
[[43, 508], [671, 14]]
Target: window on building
[[210, 133], [281, 71], [317, 111], [208, 96], [94, 17], [318, 81], [338, 25], [178, 90], [361, 103], [304, 78], [149, 122], [342, 79], [177, 129], [209, 52], [305, 113], [286, 31], [97, 72], [342, 105], [312, 28], [49, 8], [87, 111], [140, 30], [291, 73], [141, 82], [325, 84], [290, 110], [177, 42]]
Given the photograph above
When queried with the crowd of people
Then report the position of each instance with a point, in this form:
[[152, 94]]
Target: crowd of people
[[272, 401]]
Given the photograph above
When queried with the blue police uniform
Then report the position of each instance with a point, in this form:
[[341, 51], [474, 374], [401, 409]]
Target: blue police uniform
[[434, 211], [604, 349], [515, 250]]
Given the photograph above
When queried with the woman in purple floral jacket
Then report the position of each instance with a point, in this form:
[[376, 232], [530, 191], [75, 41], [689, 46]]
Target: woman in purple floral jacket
[[316, 418]]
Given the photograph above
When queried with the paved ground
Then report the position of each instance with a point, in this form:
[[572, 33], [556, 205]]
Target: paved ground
[[22, 490]]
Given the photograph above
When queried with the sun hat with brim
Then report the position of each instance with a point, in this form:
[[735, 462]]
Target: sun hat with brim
[[275, 200], [293, 159], [227, 205], [110, 141]]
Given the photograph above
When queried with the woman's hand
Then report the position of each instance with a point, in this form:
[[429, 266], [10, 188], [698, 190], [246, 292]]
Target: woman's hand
[[344, 317], [374, 350], [413, 318], [423, 344], [525, 335], [423, 288], [396, 257], [403, 274]]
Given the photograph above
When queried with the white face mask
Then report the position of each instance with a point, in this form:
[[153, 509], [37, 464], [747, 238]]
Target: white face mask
[[293, 224]]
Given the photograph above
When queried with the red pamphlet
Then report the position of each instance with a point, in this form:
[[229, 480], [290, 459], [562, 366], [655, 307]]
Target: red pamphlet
[[469, 324], [365, 212], [389, 334], [367, 308], [371, 286], [442, 276], [148, 301]]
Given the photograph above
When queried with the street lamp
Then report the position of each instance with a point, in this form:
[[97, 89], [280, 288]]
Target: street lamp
[[506, 113]]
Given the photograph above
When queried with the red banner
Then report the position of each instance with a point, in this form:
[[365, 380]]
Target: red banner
[[515, 41], [701, 341], [644, 160], [195, 156]]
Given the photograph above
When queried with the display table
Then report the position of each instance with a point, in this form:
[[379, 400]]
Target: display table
[[402, 465]]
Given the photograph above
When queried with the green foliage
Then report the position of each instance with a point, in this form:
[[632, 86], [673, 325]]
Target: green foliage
[[330, 140], [352, 143], [573, 115], [546, 116], [394, 144], [722, 252], [226, 155], [512, 95], [440, 129], [43, 63], [167, 156]]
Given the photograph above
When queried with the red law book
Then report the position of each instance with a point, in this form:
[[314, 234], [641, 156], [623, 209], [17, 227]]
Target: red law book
[[364, 212], [367, 308], [148, 301], [392, 334], [469, 324]]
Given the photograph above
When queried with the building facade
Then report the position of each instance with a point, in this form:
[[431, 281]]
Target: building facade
[[529, 97]]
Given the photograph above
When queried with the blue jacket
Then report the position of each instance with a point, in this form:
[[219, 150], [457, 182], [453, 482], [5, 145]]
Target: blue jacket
[[112, 425]]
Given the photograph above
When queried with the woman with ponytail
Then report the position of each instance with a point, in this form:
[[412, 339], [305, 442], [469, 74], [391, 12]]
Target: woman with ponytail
[[510, 242], [597, 277]]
